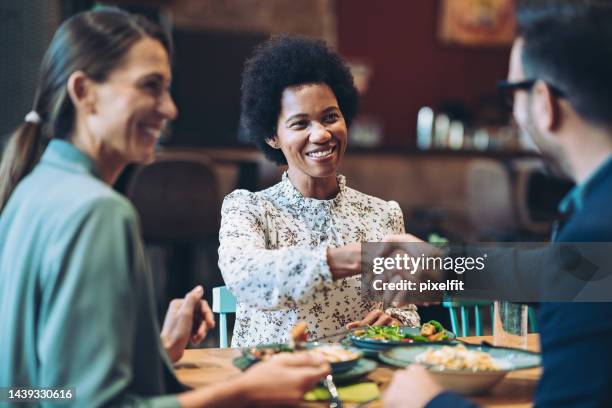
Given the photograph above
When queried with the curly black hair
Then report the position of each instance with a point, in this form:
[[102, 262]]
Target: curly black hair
[[285, 61]]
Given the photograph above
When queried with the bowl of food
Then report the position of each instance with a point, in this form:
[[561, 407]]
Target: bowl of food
[[463, 368], [341, 358], [386, 337]]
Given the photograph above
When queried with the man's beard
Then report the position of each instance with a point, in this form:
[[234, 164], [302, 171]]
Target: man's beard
[[552, 168], [555, 163], [556, 166]]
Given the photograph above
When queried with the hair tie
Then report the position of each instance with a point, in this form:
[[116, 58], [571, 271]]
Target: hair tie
[[32, 117]]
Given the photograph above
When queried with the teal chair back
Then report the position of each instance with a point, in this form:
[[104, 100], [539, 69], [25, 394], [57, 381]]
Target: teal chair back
[[223, 303], [464, 307]]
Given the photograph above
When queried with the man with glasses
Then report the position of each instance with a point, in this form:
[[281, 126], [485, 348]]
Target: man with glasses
[[561, 79]]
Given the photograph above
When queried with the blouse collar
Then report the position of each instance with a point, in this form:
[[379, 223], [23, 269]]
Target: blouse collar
[[298, 200]]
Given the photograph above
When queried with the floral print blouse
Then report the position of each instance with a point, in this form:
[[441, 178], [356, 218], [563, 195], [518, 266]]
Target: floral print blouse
[[273, 257]]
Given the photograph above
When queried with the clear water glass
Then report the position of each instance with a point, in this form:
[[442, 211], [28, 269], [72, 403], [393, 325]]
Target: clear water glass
[[510, 324]]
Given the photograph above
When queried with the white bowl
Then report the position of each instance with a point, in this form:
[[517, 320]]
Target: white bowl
[[466, 382]]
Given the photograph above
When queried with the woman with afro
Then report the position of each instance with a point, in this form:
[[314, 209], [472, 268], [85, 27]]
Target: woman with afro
[[291, 253]]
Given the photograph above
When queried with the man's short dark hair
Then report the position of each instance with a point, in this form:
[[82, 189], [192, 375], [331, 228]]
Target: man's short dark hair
[[568, 44], [285, 61]]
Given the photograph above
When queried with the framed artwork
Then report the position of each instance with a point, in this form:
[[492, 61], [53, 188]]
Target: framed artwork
[[477, 22]]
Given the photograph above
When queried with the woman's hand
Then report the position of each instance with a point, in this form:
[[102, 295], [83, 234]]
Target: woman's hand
[[283, 379], [375, 318], [187, 319], [344, 261], [412, 387]]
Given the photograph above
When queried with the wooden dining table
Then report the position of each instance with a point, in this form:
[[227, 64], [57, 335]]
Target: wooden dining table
[[202, 367]]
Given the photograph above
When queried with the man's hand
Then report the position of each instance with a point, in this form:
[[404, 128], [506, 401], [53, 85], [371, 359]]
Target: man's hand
[[413, 247], [187, 319], [283, 380], [411, 388], [375, 318]]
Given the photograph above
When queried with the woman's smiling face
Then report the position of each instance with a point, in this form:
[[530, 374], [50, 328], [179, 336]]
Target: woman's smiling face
[[133, 105], [311, 132]]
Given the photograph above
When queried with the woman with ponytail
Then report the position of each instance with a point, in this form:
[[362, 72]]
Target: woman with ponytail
[[23, 150], [76, 299]]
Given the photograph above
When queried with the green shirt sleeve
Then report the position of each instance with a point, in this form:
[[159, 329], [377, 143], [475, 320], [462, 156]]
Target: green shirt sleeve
[[87, 322]]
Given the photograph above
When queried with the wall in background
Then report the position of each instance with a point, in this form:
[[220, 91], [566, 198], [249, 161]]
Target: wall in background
[[398, 38], [212, 40], [411, 66], [26, 28]]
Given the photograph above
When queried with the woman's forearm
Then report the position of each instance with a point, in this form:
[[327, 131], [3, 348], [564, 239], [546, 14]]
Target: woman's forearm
[[344, 261], [269, 279]]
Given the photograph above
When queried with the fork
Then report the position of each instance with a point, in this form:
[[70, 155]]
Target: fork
[[334, 401]]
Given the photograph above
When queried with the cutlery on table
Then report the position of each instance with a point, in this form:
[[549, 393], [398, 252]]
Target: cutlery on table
[[334, 401], [330, 336]]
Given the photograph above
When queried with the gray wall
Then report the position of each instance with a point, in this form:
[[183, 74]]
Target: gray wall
[[26, 28]]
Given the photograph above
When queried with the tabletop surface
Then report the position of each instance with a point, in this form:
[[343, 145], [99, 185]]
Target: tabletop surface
[[200, 367]]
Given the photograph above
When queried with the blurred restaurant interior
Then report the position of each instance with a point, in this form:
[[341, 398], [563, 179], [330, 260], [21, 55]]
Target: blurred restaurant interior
[[432, 132]]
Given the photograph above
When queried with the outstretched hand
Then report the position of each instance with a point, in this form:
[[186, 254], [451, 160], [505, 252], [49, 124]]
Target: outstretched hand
[[187, 319], [406, 245]]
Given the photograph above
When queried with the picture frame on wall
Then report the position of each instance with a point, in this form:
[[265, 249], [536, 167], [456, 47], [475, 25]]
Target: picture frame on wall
[[476, 23]]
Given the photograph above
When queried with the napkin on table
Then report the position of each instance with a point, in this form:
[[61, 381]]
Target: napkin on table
[[360, 392]]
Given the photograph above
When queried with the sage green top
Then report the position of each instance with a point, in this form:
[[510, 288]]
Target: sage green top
[[76, 297]]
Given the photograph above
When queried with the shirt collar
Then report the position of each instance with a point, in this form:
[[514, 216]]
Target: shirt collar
[[574, 200], [298, 200], [61, 153]]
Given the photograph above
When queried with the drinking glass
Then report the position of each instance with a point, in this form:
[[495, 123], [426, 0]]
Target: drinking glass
[[510, 324]]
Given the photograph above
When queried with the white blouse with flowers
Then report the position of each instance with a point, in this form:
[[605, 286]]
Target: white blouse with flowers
[[273, 257]]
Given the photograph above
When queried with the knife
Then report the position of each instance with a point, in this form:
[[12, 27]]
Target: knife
[[329, 336]]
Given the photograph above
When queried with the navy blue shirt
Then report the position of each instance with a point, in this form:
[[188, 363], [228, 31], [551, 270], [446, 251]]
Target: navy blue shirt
[[576, 338]]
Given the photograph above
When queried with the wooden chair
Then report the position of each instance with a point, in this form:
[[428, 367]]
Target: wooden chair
[[178, 201]]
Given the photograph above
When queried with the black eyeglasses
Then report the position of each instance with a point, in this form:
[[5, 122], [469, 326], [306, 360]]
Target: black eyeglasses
[[526, 85], [508, 88]]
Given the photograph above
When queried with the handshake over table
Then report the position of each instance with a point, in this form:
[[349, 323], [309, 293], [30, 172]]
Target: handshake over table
[[404, 269]]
